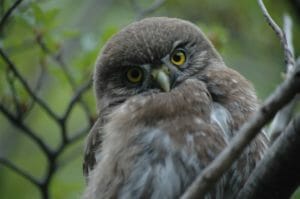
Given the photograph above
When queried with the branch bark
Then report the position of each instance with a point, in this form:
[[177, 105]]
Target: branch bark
[[13, 68], [277, 175], [8, 13], [19, 171], [26, 130], [283, 95], [278, 99], [283, 116]]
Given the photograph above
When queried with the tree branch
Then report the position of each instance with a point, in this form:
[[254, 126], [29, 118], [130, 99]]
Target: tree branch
[[278, 99], [278, 174], [58, 59], [8, 13], [13, 68], [37, 88], [288, 55], [19, 171], [283, 116], [76, 97], [211, 174], [13, 91], [26, 130]]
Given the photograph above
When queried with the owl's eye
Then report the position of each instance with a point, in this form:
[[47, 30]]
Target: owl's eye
[[134, 75], [178, 57]]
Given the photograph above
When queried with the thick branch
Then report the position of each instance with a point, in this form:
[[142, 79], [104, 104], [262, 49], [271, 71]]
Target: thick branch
[[281, 120], [278, 174], [283, 116], [282, 95], [8, 13]]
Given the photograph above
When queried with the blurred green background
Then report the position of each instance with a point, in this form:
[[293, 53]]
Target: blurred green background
[[77, 30]]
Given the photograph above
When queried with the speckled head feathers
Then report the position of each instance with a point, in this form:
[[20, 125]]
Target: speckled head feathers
[[147, 42]]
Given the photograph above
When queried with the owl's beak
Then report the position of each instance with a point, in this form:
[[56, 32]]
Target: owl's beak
[[162, 78]]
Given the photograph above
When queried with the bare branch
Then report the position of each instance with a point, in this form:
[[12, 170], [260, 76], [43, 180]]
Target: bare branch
[[278, 174], [278, 99], [282, 96], [13, 68], [287, 29], [288, 55], [73, 155], [12, 87], [19, 171], [283, 116], [281, 120], [8, 13], [75, 99], [26, 130], [58, 58], [37, 88]]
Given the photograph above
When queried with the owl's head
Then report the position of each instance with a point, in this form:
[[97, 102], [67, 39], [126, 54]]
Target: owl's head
[[152, 55]]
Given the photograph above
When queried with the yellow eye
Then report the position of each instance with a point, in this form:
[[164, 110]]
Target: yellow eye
[[178, 58], [134, 75]]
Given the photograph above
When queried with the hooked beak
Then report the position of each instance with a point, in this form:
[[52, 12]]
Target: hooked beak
[[162, 77]]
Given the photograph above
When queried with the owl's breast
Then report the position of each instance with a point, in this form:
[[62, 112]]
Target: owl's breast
[[155, 146]]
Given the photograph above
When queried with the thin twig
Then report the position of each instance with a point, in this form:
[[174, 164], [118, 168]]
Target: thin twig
[[13, 68], [75, 99], [57, 58], [288, 55], [14, 94], [80, 134], [287, 29], [38, 86], [26, 130], [8, 13], [19, 171]]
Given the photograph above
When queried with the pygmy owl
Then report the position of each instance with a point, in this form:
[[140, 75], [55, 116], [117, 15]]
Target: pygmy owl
[[168, 105]]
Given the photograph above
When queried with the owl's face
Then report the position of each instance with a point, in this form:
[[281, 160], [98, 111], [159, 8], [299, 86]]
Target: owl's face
[[150, 56]]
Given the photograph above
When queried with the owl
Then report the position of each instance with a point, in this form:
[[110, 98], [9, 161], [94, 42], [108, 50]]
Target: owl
[[168, 105]]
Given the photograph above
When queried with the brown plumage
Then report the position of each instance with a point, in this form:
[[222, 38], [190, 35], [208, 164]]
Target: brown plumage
[[167, 106]]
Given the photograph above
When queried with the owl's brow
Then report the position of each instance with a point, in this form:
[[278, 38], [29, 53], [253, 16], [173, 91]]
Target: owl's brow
[[147, 47], [180, 43], [137, 47]]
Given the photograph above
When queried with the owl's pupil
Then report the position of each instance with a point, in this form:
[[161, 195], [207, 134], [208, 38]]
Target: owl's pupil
[[135, 74], [176, 58]]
